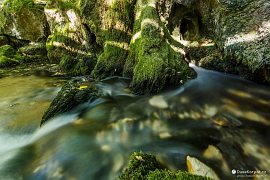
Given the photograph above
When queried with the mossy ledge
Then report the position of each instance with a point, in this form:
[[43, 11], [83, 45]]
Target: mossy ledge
[[145, 166]]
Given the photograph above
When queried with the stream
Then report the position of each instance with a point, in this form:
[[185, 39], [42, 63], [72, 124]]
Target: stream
[[220, 119]]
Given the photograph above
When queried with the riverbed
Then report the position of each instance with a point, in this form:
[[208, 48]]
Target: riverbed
[[218, 118]]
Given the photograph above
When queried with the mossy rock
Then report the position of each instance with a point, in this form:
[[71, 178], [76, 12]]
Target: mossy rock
[[77, 65], [145, 166], [72, 94], [71, 43], [34, 52], [9, 56], [116, 37], [24, 19], [240, 29], [155, 65]]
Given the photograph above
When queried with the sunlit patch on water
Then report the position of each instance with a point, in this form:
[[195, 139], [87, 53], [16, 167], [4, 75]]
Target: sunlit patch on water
[[221, 119], [23, 101]]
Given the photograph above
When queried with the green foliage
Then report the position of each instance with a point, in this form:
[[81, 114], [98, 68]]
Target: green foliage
[[169, 175], [9, 56], [64, 4], [146, 167], [139, 166]]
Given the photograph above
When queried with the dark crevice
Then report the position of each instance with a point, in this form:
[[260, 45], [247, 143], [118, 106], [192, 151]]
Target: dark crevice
[[185, 25], [92, 39]]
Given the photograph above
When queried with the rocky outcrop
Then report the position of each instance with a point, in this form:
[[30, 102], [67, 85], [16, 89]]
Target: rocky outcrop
[[240, 30], [154, 61], [107, 38]]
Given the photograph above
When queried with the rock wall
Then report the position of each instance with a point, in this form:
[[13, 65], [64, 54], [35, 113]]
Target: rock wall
[[146, 40], [239, 29], [125, 37]]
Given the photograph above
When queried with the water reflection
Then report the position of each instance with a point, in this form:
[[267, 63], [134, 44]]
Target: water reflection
[[23, 101], [221, 119]]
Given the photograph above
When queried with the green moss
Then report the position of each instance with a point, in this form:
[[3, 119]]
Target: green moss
[[70, 96], [145, 166], [16, 5], [139, 166], [110, 62], [77, 65], [152, 61], [65, 4], [118, 26], [9, 56], [169, 175]]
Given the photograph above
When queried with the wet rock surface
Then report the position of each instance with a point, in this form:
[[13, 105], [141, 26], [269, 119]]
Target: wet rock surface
[[73, 93]]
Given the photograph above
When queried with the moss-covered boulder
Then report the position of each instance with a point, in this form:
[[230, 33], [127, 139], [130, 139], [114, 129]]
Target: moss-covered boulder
[[146, 166], [9, 56], [72, 94], [153, 62], [24, 19]]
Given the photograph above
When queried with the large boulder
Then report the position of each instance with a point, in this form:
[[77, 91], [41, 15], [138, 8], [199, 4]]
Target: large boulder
[[24, 20], [153, 60], [242, 32]]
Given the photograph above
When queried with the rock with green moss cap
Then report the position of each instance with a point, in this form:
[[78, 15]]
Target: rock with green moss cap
[[9, 56], [154, 62], [24, 19], [72, 94], [146, 166]]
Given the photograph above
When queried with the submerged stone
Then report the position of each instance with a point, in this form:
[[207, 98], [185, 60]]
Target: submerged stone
[[72, 94]]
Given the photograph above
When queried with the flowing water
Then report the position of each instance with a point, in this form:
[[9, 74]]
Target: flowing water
[[220, 119]]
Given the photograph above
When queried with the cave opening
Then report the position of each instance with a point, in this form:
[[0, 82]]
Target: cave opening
[[185, 26]]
